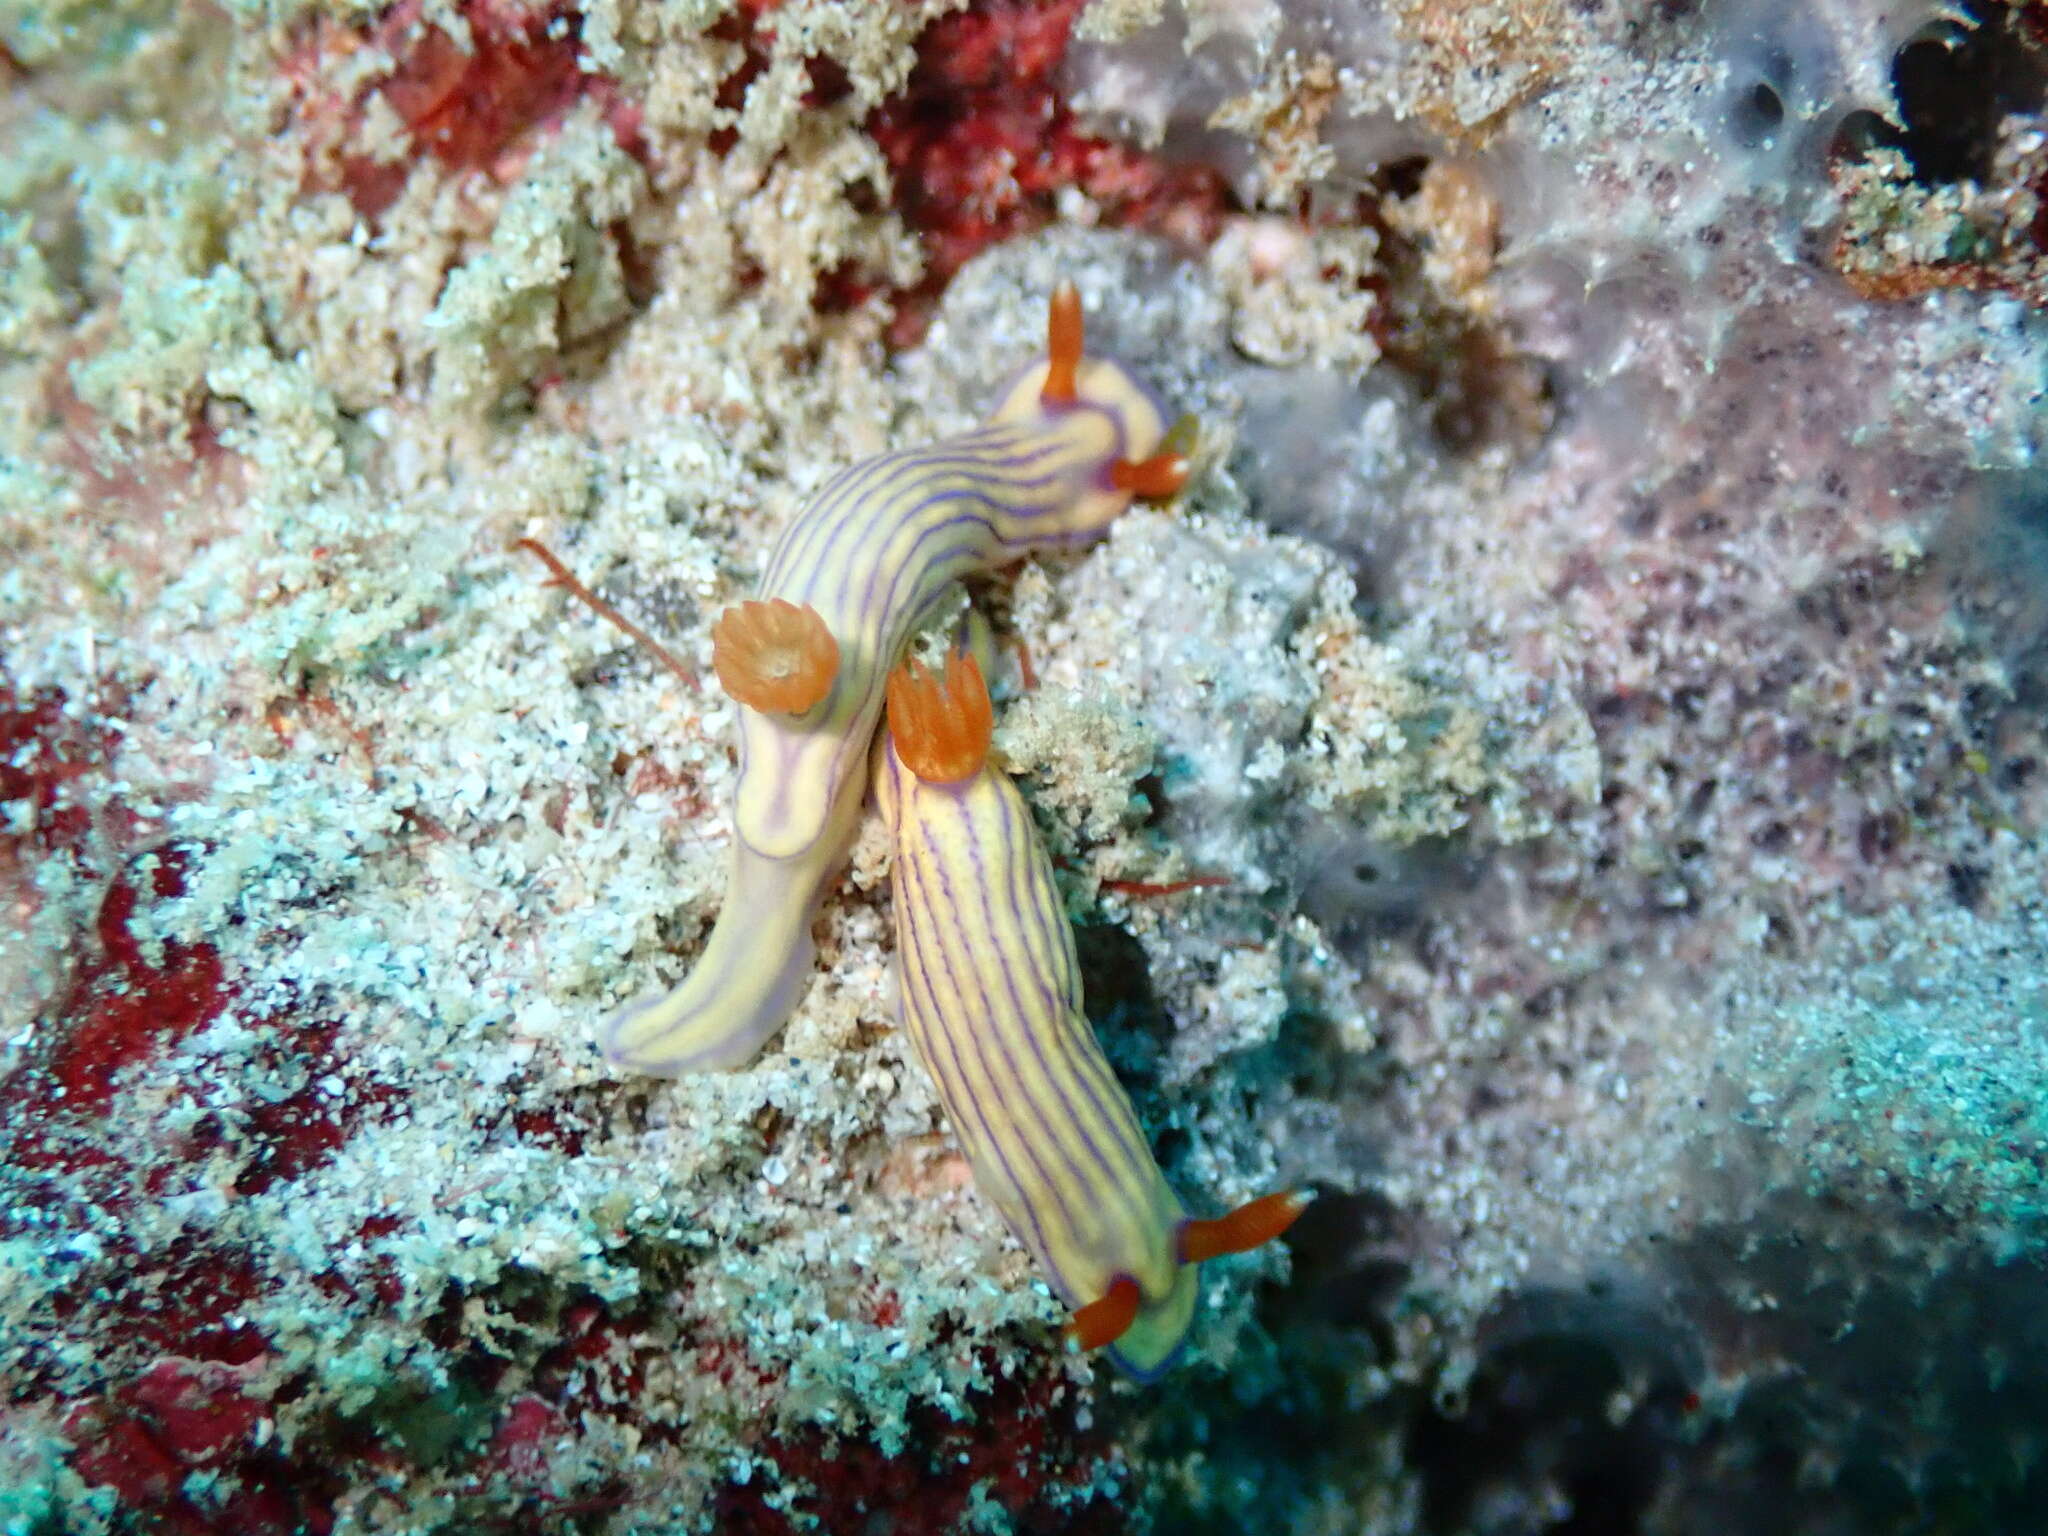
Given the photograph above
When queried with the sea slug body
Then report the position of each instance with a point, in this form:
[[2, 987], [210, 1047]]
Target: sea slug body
[[991, 1001], [1073, 440]]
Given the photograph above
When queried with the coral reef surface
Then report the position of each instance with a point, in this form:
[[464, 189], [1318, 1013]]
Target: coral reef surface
[[1566, 781]]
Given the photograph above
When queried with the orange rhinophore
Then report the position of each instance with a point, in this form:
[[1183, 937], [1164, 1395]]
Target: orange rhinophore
[[941, 721], [1251, 1225], [1062, 346], [1103, 1321], [1109, 1317], [1152, 479], [774, 656]]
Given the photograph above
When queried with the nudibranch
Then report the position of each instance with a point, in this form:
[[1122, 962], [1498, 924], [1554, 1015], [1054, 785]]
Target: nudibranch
[[1073, 440], [991, 1000]]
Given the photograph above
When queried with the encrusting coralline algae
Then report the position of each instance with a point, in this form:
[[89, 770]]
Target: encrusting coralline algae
[[1600, 653]]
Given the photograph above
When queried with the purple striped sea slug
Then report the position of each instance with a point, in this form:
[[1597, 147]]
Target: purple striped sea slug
[[991, 997], [861, 567]]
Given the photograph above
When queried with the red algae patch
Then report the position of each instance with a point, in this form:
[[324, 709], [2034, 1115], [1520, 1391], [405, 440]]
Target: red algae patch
[[982, 141], [1020, 1447], [118, 1005], [43, 751], [184, 1417], [473, 105], [122, 1007]]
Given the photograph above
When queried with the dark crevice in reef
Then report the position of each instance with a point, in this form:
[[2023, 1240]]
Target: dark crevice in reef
[[1917, 1406], [1921, 1388], [1564, 1428], [1309, 1434], [1817, 1366], [1954, 82]]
